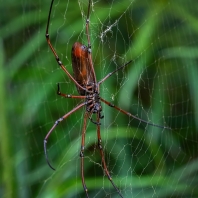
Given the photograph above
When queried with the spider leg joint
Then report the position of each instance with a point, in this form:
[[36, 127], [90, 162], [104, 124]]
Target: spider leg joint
[[87, 21], [59, 120], [111, 105], [59, 62]]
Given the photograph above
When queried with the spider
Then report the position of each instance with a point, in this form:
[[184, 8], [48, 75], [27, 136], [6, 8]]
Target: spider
[[87, 86]]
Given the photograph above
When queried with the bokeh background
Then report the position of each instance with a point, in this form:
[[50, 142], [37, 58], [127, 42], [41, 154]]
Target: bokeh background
[[160, 86]]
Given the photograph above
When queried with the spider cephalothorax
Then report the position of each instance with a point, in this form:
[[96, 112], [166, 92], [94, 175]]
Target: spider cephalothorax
[[94, 106]]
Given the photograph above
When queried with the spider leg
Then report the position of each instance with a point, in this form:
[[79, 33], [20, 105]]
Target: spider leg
[[103, 158], [55, 124], [111, 73], [68, 95], [82, 153], [91, 119], [95, 122], [135, 117], [54, 51]]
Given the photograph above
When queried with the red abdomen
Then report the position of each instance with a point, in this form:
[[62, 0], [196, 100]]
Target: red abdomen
[[83, 73]]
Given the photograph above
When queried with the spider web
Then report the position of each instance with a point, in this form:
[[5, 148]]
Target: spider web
[[159, 86]]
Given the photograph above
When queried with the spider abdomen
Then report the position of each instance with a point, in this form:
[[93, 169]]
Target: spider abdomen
[[81, 66]]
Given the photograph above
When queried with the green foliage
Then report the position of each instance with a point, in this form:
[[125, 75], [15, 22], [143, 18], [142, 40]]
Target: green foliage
[[159, 86]]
